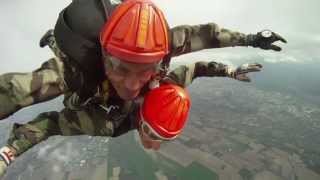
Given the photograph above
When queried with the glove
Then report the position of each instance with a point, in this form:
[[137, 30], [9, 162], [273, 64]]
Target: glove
[[240, 73], [45, 38], [6, 158], [264, 40]]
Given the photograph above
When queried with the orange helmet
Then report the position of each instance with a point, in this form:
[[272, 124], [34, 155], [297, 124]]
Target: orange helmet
[[136, 32], [164, 112]]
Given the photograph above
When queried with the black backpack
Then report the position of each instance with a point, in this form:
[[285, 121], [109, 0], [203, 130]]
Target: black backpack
[[77, 35]]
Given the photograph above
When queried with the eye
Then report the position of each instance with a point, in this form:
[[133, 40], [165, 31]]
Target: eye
[[144, 74], [145, 128], [154, 137], [121, 70]]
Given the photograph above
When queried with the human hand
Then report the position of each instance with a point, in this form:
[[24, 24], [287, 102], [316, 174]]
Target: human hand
[[265, 40], [6, 158], [240, 73]]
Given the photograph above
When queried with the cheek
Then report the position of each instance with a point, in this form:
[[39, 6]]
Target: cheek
[[156, 145], [148, 77], [144, 138], [114, 78], [146, 144], [145, 80]]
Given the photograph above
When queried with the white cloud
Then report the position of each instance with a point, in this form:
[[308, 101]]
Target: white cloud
[[24, 22], [280, 58]]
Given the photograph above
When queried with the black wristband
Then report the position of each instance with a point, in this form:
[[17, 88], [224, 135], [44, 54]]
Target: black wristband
[[252, 40]]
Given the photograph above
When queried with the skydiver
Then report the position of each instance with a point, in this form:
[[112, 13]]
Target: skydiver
[[99, 93]]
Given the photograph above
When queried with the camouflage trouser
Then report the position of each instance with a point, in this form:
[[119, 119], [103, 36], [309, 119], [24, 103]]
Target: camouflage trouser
[[91, 121]]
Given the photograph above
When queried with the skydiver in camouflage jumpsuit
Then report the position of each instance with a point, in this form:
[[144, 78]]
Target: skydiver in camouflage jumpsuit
[[106, 112]]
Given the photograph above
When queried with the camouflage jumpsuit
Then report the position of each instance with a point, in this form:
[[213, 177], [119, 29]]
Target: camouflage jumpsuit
[[104, 114]]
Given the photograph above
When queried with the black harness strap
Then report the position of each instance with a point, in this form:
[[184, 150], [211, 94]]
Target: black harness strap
[[108, 6]]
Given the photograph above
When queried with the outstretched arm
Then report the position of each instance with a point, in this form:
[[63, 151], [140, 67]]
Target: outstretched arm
[[186, 38], [18, 90], [184, 75]]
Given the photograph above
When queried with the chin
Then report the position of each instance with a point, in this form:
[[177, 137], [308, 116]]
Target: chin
[[129, 96]]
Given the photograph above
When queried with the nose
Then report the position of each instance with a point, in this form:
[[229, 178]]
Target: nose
[[149, 144], [132, 83], [156, 146]]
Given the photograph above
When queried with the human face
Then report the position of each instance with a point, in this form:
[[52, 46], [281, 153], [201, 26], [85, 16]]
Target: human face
[[128, 78], [150, 139], [147, 142]]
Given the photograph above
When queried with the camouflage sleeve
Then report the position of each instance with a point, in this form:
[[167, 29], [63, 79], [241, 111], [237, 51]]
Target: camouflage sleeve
[[127, 125], [18, 90], [184, 75], [186, 38], [90, 120]]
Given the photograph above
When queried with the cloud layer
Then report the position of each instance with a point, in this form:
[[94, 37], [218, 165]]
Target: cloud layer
[[24, 22]]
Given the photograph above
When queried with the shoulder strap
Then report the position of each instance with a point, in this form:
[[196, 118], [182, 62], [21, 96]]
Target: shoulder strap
[[109, 5]]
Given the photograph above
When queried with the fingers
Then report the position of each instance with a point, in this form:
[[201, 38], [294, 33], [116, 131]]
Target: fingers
[[265, 40], [255, 67], [243, 77], [279, 38], [275, 47], [246, 68], [241, 73]]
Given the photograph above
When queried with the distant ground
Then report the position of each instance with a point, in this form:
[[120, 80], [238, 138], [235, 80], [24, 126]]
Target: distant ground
[[267, 129]]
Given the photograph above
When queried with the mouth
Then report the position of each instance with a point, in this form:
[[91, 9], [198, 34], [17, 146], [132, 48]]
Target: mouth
[[130, 95]]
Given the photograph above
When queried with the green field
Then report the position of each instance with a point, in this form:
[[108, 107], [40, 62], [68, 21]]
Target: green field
[[127, 153]]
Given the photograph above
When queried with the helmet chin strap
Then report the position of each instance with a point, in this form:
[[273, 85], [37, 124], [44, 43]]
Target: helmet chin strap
[[164, 68]]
